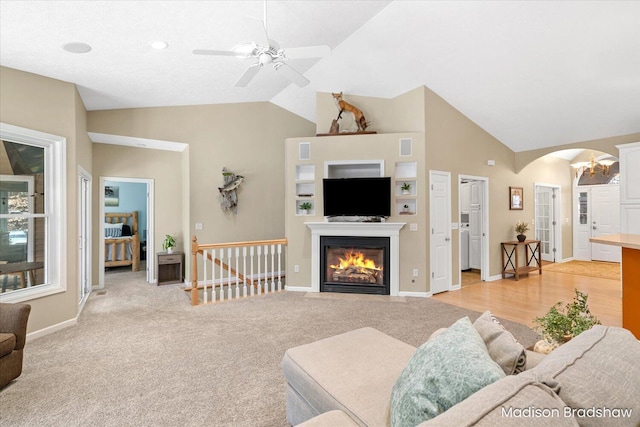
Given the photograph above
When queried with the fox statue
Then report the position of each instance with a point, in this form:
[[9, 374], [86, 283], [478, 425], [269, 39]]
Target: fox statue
[[343, 105]]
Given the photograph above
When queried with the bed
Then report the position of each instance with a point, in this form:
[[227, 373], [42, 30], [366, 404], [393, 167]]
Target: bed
[[122, 241]]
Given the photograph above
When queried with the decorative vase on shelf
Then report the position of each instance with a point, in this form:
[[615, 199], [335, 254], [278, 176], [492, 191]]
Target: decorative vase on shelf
[[521, 237], [169, 250]]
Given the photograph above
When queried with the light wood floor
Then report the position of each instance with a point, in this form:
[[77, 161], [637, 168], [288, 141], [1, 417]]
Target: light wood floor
[[530, 297]]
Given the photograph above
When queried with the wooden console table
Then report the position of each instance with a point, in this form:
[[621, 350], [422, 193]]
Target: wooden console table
[[510, 258], [630, 244]]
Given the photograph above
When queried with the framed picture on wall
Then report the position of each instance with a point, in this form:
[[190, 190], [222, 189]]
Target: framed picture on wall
[[515, 198], [111, 195]]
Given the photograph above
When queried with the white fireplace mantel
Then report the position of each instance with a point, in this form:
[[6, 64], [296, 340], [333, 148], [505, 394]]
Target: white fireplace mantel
[[357, 229]]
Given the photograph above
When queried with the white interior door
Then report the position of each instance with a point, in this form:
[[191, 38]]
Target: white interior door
[[605, 219], [440, 237], [582, 225], [546, 221], [475, 225], [84, 236]]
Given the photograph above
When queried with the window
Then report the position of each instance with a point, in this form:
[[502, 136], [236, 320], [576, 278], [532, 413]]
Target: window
[[32, 214]]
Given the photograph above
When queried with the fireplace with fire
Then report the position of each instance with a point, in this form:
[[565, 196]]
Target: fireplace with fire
[[354, 264]]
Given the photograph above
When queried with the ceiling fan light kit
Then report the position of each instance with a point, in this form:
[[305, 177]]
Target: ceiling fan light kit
[[267, 52]]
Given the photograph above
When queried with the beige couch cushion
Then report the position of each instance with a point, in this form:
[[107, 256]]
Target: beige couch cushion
[[503, 348], [333, 418], [353, 372], [502, 404], [597, 369]]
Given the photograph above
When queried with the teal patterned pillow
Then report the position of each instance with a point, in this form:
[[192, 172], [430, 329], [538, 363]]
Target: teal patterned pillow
[[442, 372]]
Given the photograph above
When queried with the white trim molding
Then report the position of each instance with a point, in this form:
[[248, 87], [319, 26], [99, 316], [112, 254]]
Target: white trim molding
[[357, 229]]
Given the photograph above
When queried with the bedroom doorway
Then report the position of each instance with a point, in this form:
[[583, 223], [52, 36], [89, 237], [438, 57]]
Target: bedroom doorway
[[121, 195]]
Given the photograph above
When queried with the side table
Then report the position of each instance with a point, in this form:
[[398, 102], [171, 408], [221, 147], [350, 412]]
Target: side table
[[169, 267], [510, 262]]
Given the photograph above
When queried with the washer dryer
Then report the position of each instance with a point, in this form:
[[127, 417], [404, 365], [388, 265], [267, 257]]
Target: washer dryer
[[464, 247]]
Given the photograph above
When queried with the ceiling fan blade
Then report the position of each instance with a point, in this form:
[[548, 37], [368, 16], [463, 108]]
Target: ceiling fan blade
[[249, 74], [257, 31], [307, 52], [291, 74], [215, 52]]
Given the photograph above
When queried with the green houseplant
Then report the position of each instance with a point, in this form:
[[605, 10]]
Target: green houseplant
[[305, 207], [168, 243], [406, 188], [521, 228], [561, 323]]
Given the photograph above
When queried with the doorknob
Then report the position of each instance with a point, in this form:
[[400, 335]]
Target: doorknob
[[446, 239], [595, 228]]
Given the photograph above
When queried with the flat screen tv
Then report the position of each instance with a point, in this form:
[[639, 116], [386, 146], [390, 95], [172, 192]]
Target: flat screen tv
[[357, 196]]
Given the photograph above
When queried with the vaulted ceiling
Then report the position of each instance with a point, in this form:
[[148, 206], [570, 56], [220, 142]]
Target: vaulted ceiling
[[533, 74]]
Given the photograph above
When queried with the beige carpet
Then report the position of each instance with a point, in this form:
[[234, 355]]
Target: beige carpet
[[604, 270], [142, 356]]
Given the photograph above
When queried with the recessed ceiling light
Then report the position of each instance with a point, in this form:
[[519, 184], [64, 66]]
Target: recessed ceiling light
[[159, 44], [77, 47]]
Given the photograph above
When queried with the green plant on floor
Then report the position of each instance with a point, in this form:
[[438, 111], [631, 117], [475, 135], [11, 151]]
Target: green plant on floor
[[169, 242], [561, 323]]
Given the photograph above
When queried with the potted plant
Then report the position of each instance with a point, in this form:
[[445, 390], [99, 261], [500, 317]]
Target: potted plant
[[406, 188], [560, 324], [521, 228], [305, 207], [405, 209], [168, 243]]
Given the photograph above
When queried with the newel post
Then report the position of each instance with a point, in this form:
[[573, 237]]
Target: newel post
[[194, 270]]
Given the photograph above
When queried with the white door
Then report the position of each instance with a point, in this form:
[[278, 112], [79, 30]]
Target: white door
[[84, 236], [605, 219], [582, 225], [475, 225], [545, 221], [440, 237]]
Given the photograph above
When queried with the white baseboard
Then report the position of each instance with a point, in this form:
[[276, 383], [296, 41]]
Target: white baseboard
[[456, 287], [494, 278], [414, 294], [51, 329], [297, 288]]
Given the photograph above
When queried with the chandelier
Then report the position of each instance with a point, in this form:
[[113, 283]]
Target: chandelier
[[594, 166]]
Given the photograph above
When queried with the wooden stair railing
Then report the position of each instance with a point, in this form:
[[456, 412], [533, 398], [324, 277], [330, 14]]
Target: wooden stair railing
[[261, 254]]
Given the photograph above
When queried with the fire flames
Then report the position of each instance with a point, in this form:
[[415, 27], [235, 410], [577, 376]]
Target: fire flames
[[355, 259]]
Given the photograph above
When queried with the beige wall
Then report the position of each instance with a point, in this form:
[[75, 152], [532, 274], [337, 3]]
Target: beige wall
[[404, 113], [248, 139], [458, 145], [451, 143], [163, 167], [353, 148], [51, 106]]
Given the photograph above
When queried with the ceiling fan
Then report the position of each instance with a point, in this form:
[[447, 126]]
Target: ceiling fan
[[268, 52]]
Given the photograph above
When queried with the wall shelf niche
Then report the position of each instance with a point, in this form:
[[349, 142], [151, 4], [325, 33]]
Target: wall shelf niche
[[406, 174], [305, 188]]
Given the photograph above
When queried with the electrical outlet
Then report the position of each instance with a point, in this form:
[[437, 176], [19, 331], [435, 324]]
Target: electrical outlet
[[296, 268], [413, 226], [198, 226], [415, 272]]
